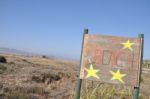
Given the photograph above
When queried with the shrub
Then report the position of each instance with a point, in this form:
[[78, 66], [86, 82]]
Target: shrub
[[46, 77], [3, 59], [44, 56]]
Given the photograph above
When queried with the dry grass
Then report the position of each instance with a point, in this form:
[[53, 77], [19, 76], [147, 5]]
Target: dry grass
[[2, 68], [37, 78], [57, 81], [97, 90]]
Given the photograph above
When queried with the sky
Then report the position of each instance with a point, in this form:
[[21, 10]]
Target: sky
[[55, 27]]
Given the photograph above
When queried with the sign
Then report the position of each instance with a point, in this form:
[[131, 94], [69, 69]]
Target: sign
[[111, 59]]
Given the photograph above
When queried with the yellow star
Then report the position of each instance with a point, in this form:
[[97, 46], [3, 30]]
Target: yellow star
[[128, 45], [91, 72], [117, 76]]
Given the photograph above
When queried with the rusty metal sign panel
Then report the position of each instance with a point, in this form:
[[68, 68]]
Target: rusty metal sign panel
[[111, 59]]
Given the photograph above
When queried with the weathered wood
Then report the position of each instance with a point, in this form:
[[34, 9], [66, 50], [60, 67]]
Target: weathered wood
[[107, 55]]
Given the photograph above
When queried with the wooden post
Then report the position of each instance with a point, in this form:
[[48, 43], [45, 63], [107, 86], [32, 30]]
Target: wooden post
[[79, 82], [137, 89]]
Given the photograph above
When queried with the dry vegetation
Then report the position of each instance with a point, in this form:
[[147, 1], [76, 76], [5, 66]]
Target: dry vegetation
[[42, 78], [36, 78]]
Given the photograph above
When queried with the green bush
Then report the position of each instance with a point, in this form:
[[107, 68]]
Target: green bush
[[3, 59], [44, 56]]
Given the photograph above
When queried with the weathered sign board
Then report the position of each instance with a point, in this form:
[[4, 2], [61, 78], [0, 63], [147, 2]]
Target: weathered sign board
[[111, 59]]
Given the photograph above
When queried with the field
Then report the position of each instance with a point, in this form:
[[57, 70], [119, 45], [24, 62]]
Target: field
[[24, 77]]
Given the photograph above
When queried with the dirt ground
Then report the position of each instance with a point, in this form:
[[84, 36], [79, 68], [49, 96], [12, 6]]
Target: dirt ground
[[42, 78]]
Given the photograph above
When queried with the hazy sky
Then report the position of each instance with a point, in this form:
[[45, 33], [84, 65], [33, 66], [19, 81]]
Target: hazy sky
[[56, 26]]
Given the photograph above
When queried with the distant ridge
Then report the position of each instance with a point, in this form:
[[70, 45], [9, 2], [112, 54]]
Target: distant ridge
[[4, 50]]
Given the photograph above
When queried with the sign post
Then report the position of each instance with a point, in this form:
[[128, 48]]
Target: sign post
[[79, 81], [137, 89], [111, 59]]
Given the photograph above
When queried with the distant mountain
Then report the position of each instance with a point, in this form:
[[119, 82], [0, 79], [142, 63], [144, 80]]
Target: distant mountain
[[4, 50], [14, 51]]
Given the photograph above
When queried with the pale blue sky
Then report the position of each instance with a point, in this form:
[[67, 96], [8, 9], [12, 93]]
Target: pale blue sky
[[55, 27]]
